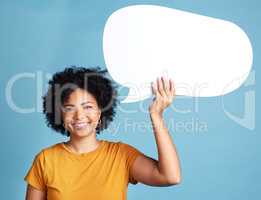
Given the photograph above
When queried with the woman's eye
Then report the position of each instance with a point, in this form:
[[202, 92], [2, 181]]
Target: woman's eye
[[87, 107], [68, 109]]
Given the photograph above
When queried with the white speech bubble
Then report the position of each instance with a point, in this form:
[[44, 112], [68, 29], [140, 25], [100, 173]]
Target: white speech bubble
[[203, 55]]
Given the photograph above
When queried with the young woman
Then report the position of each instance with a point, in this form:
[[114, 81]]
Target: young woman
[[80, 103]]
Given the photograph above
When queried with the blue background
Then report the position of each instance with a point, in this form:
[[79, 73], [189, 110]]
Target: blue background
[[222, 162]]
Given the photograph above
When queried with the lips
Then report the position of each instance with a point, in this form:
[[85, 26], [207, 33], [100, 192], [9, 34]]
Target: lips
[[80, 125]]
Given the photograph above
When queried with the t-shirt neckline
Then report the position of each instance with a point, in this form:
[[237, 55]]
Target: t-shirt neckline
[[102, 142]]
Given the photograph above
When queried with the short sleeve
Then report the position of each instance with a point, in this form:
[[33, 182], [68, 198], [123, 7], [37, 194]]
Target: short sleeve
[[130, 154], [36, 174]]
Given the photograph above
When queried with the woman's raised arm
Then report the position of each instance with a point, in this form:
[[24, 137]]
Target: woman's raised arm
[[166, 170]]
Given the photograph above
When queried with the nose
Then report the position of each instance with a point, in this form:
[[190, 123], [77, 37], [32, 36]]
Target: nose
[[79, 114]]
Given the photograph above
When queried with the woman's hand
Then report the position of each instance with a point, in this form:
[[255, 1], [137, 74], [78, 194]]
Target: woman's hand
[[164, 92]]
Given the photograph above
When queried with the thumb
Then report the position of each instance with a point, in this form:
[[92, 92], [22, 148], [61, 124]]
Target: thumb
[[154, 89]]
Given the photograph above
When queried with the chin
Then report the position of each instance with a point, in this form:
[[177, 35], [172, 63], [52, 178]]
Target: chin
[[83, 133]]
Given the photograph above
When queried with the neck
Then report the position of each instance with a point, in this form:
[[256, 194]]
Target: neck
[[83, 144]]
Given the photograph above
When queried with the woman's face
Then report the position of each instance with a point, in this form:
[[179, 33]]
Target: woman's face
[[81, 113]]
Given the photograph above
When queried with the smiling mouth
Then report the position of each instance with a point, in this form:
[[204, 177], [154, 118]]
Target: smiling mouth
[[80, 125]]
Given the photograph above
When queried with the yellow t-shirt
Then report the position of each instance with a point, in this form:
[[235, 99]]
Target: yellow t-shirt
[[102, 174]]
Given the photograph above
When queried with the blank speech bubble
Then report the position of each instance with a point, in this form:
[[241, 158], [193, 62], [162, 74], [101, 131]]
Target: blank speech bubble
[[203, 55]]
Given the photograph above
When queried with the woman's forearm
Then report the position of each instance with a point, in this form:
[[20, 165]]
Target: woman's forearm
[[168, 161]]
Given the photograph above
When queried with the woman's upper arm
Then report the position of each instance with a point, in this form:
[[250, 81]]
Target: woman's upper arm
[[34, 194], [144, 170]]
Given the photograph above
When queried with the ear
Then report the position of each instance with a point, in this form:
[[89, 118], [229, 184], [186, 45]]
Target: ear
[[100, 113]]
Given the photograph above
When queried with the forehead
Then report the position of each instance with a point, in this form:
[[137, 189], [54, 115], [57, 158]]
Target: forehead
[[80, 95]]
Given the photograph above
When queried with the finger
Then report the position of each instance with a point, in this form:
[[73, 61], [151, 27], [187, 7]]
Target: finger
[[165, 84], [160, 87], [172, 87]]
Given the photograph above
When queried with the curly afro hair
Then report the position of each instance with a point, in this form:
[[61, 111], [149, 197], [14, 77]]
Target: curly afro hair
[[63, 83]]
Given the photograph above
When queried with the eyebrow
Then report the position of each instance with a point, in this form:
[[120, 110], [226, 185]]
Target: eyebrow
[[86, 102]]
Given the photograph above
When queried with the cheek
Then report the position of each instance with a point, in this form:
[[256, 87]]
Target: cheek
[[67, 117], [94, 116]]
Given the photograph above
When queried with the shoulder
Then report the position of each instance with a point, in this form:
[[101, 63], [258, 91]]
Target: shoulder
[[122, 147], [117, 144], [111, 145], [114, 147], [48, 151]]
